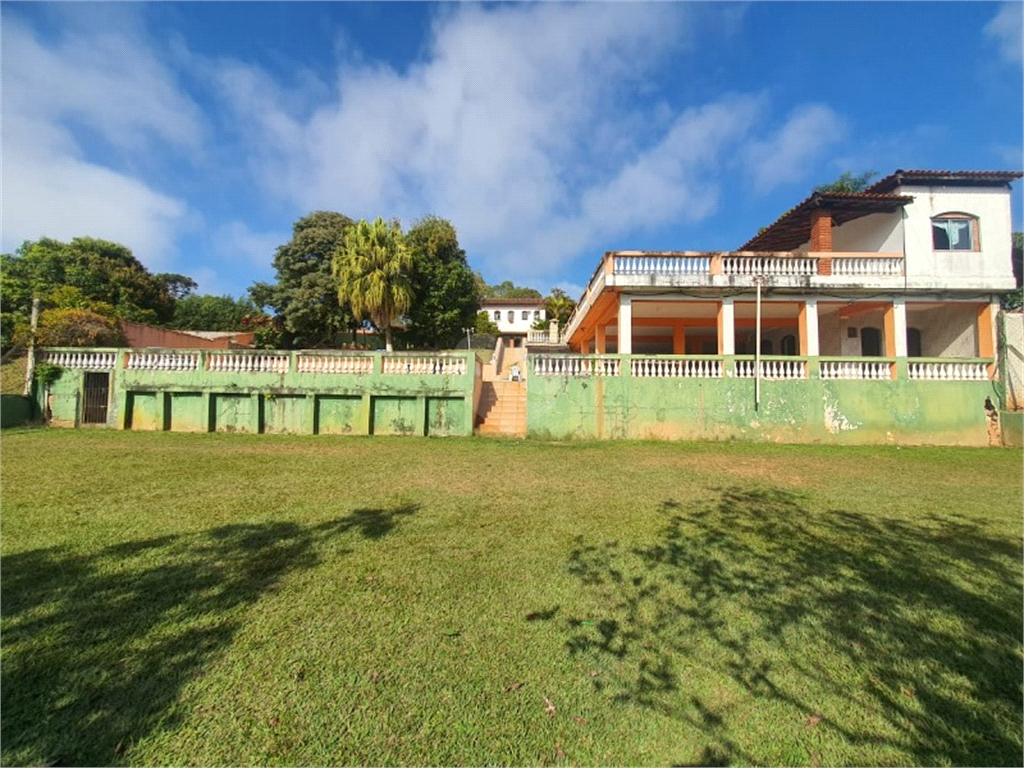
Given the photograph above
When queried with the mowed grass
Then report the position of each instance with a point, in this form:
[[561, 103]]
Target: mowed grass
[[227, 599]]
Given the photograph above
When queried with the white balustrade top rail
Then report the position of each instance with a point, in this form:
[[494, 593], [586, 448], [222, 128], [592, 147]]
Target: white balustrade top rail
[[235, 362], [677, 367], [754, 265], [162, 361], [948, 371], [870, 370], [662, 265], [867, 266], [794, 368], [313, 362], [425, 365], [575, 365], [97, 361]]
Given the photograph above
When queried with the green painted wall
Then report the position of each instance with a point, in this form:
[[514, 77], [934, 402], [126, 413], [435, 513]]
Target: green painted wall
[[292, 402], [1011, 425], [15, 410], [806, 410]]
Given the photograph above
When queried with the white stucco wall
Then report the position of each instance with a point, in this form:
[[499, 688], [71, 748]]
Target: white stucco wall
[[1014, 324], [517, 325], [874, 233], [947, 331], [988, 268]]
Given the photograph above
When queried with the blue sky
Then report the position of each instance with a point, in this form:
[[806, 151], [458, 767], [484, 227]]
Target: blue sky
[[196, 133]]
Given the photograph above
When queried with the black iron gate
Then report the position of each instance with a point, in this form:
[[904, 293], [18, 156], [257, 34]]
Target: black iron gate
[[97, 392]]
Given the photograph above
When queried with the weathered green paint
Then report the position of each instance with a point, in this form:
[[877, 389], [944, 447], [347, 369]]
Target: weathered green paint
[[1011, 426], [804, 410], [293, 402], [15, 410]]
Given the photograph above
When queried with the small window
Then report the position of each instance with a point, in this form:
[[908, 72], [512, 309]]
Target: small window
[[536, 314], [913, 342], [497, 315], [955, 232], [788, 344], [511, 316], [526, 314]]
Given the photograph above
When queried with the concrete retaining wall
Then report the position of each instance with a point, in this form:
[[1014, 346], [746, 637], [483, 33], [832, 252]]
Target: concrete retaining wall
[[15, 411]]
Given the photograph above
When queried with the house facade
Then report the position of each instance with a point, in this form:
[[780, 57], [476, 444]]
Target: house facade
[[514, 317]]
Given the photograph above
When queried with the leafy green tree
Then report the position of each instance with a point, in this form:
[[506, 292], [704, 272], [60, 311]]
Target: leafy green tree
[[77, 328], [305, 295], [559, 306], [372, 269], [102, 275], [213, 313], [444, 299], [484, 324], [509, 290], [848, 183]]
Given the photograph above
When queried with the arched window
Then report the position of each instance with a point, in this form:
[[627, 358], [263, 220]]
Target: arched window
[[788, 344], [955, 232], [497, 315], [511, 316], [913, 342]]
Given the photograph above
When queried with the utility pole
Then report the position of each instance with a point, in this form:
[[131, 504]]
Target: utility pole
[[30, 366], [759, 280]]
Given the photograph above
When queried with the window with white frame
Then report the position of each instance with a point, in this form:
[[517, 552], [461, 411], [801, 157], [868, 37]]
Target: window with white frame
[[536, 314], [955, 232], [511, 316], [526, 314], [497, 315]]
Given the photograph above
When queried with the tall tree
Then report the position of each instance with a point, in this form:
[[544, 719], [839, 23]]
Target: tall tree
[[509, 290], [86, 273], [305, 296], [372, 269], [444, 289]]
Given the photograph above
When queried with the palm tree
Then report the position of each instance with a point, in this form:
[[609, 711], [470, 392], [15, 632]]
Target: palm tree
[[372, 269]]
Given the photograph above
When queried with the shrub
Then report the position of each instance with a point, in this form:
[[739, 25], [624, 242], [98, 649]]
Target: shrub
[[77, 328]]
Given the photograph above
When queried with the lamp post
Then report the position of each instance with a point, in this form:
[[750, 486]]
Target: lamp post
[[469, 344], [759, 280]]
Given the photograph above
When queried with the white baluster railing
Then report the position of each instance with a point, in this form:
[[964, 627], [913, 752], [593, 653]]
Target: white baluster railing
[[420, 365], [675, 368], [951, 371], [867, 267], [575, 365], [312, 362], [756, 265], [775, 370], [98, 361], [662, 265], [162, 361], [869, 370], [247, 362]]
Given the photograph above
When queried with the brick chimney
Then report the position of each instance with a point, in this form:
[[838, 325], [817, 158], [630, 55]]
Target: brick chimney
[[821, 229]]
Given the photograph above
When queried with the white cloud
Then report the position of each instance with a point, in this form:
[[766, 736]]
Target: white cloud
[[791, 151], [520, 124], [235, 242], [1007, 30], [112, 85]]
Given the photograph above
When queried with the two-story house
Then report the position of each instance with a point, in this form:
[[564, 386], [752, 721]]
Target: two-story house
[[514, 317], [911, 269]]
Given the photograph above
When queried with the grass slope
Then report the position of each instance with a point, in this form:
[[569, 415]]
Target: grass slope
[[226, 599], [12, 376]]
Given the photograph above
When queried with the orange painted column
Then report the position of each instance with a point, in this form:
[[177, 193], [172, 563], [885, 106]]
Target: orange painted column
[[599, 340], [986, 336], [678, 339], [890, 336], [585, 347]]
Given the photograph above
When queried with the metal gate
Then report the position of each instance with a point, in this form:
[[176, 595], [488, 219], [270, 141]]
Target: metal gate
[[97, 392]]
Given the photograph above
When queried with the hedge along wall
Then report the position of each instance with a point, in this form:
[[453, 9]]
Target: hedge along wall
[[274, 392], [15, 410], [801, 410]]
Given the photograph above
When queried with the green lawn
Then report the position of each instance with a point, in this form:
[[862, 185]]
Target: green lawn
[[227, 599]]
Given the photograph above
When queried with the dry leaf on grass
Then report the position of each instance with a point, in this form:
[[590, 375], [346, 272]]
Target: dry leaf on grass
[[812, 721], [274, 721], [558, 752], [549, 707], [579, 720], [513, 687]]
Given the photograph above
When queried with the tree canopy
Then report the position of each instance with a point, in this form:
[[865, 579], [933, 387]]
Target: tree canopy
[[444, 294], [848, 183], [214, 313], [507, 290], [559, 306], [305, 295], [372, 269], [85, 274]]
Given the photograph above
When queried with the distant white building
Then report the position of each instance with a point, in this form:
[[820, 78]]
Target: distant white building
[[514, 317]]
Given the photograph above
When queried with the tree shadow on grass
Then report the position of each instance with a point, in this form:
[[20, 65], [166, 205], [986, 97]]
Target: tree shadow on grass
[[901, 638], [97, 647]]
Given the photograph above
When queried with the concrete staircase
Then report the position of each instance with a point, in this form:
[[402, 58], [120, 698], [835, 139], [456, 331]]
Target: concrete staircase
[[502, 402]]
